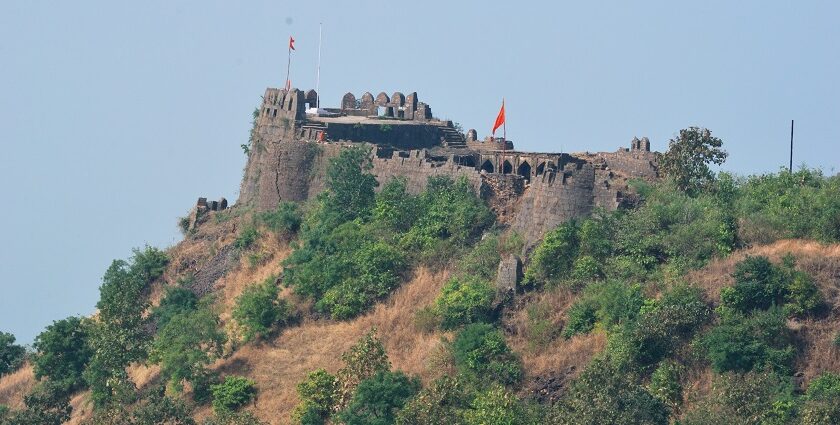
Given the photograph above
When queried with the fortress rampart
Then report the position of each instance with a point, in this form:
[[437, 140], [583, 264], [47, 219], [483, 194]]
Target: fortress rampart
[[530, 191]]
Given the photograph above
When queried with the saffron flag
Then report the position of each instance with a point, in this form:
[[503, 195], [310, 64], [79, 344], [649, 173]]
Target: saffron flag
[[499, 119], [291, 43]]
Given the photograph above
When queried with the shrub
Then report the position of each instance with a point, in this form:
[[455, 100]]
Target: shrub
[[541, 330], [350, 185], [759, 284], [603, 394], [62, 352], [609, 303], [582, 316], [463, 301], [285, 220], [233, 393], [318, 396], [157, 408], [363, 360], [496, 405], [554, 257], [750, 398], [427, 319], [234, 418], [822, 405], [395, 207], [149, 263], [176, 300], [11, 354], [442, 402], [742, 343], [246, 237], [377, 399], [660, 328], [480, 351], [665, 384], [186, 345], [258, 309], [47, 404]]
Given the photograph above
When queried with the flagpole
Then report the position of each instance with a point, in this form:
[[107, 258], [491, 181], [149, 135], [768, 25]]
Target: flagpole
[[288, 67], [504, 129], [318, 73]]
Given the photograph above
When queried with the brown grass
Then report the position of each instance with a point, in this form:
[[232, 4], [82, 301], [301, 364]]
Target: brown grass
[[814, 336], [278, 365], [15, 385]]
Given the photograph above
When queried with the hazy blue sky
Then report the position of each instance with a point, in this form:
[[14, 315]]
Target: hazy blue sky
[[115, 117]]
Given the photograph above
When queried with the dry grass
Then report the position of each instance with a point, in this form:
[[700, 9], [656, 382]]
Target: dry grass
[[814, 336], [15, 385], [278, 365], [559, 355]]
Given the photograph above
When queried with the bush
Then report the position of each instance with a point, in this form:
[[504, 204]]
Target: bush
[[350, 185], [246, 237], [496, 405], [186, 345], [750, 398], [11, 354], [363, 360], [377, 399], [284, 221], [582, 316], [47, 404], [759, 284], [741, 343], [554, 257], [603, 394], [62, 352], [160, 409], [480, 351], [609, 303], [258, 309], [541, 329], [665, 384], [442, 402], [660, 328], [233, 393], [176, 300], [395, 207], [318, 397], [463, 301], [149, 263], [822, 405], [803, 204]]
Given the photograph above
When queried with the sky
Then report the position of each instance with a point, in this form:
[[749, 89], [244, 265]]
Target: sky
[[116, 116]]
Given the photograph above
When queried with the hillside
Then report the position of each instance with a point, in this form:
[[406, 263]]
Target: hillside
[[704, 298]]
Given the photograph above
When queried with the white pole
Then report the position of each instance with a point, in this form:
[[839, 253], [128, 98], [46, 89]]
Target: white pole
[[318, 73]]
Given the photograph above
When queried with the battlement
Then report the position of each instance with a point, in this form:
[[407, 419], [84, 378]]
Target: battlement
[[530, 191]]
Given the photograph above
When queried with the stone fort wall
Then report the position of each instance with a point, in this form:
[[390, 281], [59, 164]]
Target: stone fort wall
[[531, 192]]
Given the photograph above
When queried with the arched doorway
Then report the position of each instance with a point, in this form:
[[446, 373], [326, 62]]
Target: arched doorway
[[507, 168], [541, 168], [487, 166], [524, 170]]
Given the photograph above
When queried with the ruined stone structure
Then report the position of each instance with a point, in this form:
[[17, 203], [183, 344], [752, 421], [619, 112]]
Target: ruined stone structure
[[201, 208], [532, 192]]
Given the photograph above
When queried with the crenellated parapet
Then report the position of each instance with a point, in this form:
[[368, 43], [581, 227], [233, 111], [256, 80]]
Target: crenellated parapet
[[397, 106]]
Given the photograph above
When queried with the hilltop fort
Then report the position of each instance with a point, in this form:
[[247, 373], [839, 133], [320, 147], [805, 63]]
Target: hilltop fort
[[531, 191]]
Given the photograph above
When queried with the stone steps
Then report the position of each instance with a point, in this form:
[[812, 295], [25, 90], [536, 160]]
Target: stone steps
[[453, 138]]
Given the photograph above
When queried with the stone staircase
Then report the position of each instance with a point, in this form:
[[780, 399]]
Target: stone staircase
[[452, 138]]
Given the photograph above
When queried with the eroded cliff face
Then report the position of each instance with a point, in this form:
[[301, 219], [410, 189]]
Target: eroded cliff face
[[531, 192]]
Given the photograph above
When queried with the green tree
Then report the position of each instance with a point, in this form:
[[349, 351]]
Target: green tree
[[497, 406], [233, 393], [480, 351], [258, 309], [158, 409], [318, 397], [554, 257], [741, 343], [63, 353], [363, 360], [442, 402], [11, 354], [377, 399], [688, 157], [47, 404], [463, 301], [186, 345], [350, 185], [176, 300], [604, 394]]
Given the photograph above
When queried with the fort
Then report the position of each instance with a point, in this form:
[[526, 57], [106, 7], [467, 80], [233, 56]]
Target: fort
[[530, 191]]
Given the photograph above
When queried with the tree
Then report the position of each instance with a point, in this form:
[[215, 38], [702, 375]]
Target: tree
[[11, 354], [688, 157], [233, 393], [361, 361], [62, 352], [258, 309], [47, 404], [318, 396], [480, 352], [350, 185], [377, 399], [186, 345]]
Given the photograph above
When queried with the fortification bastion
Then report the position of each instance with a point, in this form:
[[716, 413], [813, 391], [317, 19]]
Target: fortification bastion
[[529, 191]]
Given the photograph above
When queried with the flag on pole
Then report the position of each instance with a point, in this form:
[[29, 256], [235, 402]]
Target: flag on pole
[[291, 43], [500, 119]]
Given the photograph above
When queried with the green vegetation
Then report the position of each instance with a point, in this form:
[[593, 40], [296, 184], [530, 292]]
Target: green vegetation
[[186, 345], [462, 302], [318, 396], [377, 399], [688, 157], [284, 221], [480, 352], [62, 353], [11, 354], [259, 309], [759, 284], [233, 393]]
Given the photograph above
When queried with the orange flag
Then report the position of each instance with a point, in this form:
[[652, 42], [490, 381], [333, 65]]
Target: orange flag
[[291, 43], [499, 119]]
